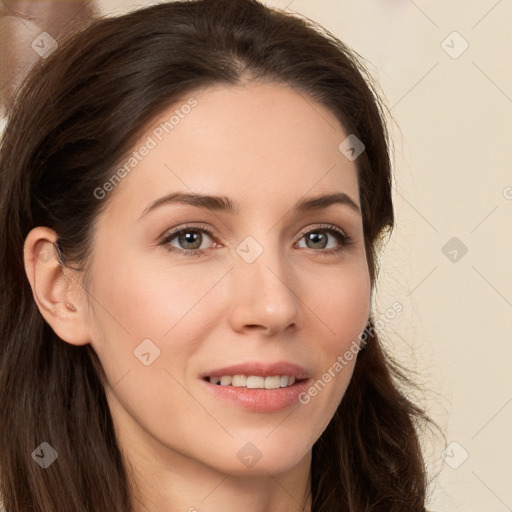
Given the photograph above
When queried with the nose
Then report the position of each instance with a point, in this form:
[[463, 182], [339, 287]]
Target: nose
[[265, 295]]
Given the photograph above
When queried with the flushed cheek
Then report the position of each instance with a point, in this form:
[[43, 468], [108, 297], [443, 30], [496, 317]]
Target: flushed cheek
[[344, 315], [141, 303], [171, 315], [342, 304], [142, 290], [344, 309]]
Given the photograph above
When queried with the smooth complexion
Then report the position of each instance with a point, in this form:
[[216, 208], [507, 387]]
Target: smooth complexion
[[301, 301]]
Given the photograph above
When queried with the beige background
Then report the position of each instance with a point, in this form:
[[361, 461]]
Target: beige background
[[451, 122]]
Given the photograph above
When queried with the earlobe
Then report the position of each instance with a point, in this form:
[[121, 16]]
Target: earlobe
[[55, 291]]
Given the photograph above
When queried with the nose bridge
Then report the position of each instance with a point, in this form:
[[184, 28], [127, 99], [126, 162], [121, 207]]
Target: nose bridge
[[264, 284]]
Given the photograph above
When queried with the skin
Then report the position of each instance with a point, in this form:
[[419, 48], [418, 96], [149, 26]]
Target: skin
[[266, 146]]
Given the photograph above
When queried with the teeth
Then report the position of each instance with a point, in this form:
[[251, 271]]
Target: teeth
[[225, 380], [239, 381], [254, 382], [272, 382]]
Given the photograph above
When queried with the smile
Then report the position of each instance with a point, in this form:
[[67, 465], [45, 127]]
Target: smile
[[254, 381]]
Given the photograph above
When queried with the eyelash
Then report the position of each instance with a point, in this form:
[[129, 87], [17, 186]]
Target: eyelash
[[345, 240]]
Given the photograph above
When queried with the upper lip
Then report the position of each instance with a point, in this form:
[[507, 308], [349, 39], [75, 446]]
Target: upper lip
[[260, 369]]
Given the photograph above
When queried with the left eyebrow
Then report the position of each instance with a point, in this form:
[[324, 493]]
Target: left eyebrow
[[225, 204], [321, 202]]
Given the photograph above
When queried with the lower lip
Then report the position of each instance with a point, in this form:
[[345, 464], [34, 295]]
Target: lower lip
[[259, 400]]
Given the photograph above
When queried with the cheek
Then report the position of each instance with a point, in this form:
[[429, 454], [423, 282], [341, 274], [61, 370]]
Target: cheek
[[161, 312], [341, 301], [134, 302], [342, 306]]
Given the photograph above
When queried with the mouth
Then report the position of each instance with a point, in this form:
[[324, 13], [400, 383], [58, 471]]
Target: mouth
[[258, 387], [255, 381]]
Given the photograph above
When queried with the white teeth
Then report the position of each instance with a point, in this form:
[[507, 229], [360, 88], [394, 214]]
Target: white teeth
[[239, 381], [225, 380], [272, 382], [254, 382]]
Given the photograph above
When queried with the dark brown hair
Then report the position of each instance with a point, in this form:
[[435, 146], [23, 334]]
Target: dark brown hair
[[74, 119]]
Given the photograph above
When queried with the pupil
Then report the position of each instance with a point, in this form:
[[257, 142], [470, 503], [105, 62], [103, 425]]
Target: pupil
[[189, 238], [314, 237]]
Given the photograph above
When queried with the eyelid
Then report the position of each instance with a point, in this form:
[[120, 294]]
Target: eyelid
[[190, 226], [322, 227]]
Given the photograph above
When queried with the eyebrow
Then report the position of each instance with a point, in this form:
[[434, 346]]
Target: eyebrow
[[225, 204]]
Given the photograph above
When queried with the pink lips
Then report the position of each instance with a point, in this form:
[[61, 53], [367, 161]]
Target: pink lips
[[260, 370], [259, 400]]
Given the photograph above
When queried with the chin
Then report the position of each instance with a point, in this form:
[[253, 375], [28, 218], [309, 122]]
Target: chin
[[266, 456]]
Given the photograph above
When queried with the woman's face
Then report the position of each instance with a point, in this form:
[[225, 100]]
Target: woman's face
[[185, 291]]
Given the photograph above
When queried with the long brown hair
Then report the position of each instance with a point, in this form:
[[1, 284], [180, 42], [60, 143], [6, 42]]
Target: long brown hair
[[74, 119]]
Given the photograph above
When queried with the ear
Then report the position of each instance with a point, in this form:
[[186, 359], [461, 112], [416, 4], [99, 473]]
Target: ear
[[56, 290]]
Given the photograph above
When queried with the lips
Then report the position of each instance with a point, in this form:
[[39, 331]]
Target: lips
[[256, 386], [258, 369]]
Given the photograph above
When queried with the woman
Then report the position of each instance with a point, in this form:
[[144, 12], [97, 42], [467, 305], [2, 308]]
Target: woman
[[193, 196]]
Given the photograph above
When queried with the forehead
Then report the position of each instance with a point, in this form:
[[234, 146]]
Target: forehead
[[263, 144]]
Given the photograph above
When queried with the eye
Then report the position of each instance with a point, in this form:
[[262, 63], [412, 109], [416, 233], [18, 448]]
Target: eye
[[189, 240], [318, 239]]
